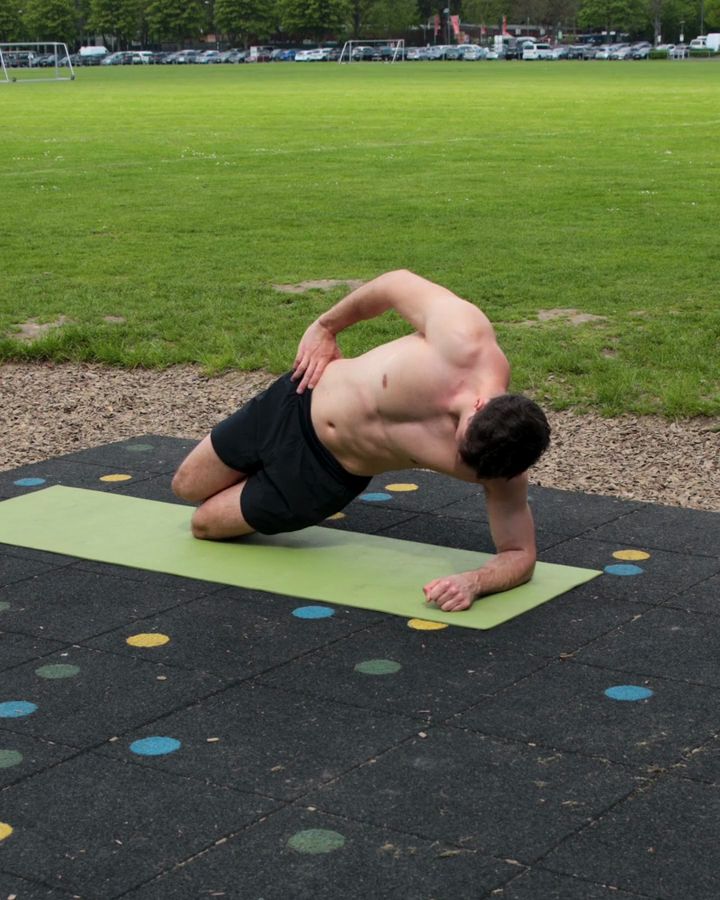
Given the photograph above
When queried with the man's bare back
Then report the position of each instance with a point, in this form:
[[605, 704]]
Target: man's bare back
[[422, 401]]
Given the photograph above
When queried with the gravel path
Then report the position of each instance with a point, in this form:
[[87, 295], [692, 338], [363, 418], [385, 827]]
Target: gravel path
[[47, 409]]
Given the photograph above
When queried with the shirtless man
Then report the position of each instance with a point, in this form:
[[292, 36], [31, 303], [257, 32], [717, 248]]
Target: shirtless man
[[436, 399]]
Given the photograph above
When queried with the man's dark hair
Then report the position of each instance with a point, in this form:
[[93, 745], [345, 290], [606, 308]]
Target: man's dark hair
[[504, 438]]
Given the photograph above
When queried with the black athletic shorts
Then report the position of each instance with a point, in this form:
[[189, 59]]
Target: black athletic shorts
[[293, 480]]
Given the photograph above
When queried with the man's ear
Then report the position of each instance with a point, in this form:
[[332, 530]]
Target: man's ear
[[480, 402]]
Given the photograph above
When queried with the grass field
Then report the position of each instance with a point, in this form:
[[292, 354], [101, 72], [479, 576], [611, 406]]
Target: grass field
[[175, 198]]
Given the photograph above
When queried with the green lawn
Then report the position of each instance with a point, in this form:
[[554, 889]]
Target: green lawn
[[175, 197]]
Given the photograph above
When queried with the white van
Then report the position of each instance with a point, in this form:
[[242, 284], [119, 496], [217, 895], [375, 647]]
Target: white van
[[97, 52], [537, 51], [699, 43], [314, 55]]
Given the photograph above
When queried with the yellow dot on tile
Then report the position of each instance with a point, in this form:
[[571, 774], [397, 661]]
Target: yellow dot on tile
[[423, 625], [148, 640], [631, 554], [115, 477], [339, 515], [5, 830], [401, 487]]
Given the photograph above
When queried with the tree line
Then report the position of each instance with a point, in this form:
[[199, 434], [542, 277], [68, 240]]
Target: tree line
[[124, 23]]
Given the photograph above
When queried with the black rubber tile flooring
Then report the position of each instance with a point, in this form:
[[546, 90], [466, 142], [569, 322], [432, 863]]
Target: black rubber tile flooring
[[164, 737]]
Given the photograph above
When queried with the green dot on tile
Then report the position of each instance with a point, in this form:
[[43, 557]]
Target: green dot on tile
[[9, 758], [378, 667], [4, 606], [139, 448], [316, 840], [57, 670]]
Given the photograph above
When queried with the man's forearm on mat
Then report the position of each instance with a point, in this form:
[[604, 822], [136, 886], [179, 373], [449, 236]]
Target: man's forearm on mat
[[507, 570]]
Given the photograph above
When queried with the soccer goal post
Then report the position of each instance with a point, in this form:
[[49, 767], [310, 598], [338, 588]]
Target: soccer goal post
[[35, 61], [389, 50]]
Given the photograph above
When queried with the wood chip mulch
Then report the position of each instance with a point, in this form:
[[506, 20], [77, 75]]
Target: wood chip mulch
[[49, 409]]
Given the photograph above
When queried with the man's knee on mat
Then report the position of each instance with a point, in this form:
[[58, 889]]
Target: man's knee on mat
[[201, 526], [220, 516]]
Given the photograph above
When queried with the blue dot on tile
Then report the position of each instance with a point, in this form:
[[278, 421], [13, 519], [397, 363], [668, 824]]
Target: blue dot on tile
[[628, 692], [313, 612], [624, 569], [16, 709], [29, 482], [155, 746], [378, 497]]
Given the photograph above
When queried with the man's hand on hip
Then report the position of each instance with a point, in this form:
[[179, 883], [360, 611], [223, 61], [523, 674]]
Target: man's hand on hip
[[317, 348]]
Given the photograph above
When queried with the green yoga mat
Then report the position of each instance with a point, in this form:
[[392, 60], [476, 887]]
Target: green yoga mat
[[324, 564]]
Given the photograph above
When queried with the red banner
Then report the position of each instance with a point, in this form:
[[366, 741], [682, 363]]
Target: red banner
[[455, 24], [504, 26], [437, 24]]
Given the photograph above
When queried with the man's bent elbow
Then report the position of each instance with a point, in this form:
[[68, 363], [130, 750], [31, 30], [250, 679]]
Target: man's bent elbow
[[522, 566], [528, 570], [527, 576]]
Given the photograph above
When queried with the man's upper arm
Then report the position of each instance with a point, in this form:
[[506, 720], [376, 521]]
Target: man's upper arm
[[451, 324], [511, 521]]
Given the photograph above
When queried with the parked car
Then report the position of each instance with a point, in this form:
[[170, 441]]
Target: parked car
[[416, 53], [314, 55], [514, 49], [537, 51], [236, 56], [388, 53], [445, 51], [207, 57], [602, 52], [120, 58], [92, 54], [641, 50], [620, 51], [366, 53], [186, 57], [472, 52], [261, 55]]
